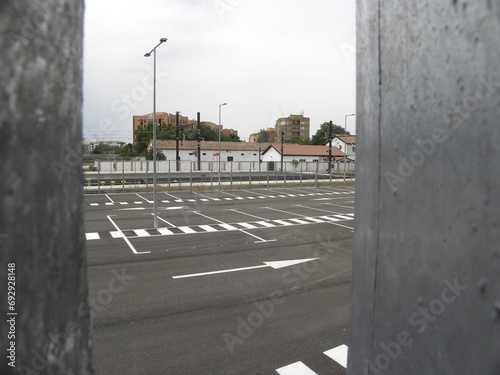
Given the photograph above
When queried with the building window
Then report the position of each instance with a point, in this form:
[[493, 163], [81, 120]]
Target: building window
[[353, 148], [229, 158], [283, 122], [295, 122], [190, 153], [315, 160], [302, 160], [242, 154], [254, 154]]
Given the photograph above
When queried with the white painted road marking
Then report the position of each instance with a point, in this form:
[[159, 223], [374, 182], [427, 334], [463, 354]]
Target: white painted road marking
[[275, 265], [127, 240], [117, 234], [141, 233], [208, 228], [297, 368], [186, 229], [92, 236], [338, 354], [165, 231]]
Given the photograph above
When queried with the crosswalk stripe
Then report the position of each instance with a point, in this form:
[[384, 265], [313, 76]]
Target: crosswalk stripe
[[344, 217], [92, 236], [165, 231], [191, 200], [164, 201], [239, 198], [338, 354], [94, 204], [109, 204], [227, 226], [204, 200], [179, 200], [228, 199], [123, 203], [117, 234], [330, 218], [314, 219], [297, 368], [248, 225], [251, 198], [299, 221], [140, 202], [187, 229], [207, 228], [282, 222], [141, 232], [265, 224]]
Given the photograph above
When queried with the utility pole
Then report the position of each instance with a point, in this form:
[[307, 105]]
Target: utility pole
[[282, 141], [177, 157], [198, 138], [330, 130]]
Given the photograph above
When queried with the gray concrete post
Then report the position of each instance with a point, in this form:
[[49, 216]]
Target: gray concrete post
[[426, 279], [41, 223]]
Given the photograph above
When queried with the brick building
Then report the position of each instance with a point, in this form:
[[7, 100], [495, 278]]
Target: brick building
[[293, 126]]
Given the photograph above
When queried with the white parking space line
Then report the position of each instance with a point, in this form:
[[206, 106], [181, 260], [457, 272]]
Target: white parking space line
[[170, 195], [207, 228], [244, 213], [165, 221], [191, 200], [208, 217], [333, 204], [147, 200], [164, 202], [165, 231], [138, 202], [204, 200], [94, 204], [228, 199], [186, 229], [112, 201], [109, 204], [126, 239], [123, 203], [259, 239], [286, 212], [338, 354], [92, 236], [297, 368], [319, 209], [141, 233]]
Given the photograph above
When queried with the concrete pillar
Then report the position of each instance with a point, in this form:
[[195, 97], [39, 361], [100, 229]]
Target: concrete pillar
[[426, 275], [41, 220]]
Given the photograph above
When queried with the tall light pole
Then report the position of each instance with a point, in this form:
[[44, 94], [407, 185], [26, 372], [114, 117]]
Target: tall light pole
[[345, 142], [220, 126], [155, 208]]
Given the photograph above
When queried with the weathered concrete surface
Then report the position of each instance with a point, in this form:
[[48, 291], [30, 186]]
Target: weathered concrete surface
[[41, 222], [426, 277]]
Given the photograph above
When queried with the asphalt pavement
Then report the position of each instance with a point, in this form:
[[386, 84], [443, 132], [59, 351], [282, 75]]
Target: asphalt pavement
[[237, 282]]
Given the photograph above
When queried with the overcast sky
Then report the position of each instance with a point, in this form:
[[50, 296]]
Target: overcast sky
[[265, 58]]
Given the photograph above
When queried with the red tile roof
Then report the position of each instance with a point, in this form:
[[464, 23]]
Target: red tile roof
[[291, 149]]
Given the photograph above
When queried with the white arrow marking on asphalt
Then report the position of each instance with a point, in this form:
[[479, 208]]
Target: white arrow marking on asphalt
[[276, 265]]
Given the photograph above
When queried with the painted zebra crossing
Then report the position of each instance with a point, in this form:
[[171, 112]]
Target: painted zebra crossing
[[338, 354], [222, 227], [221, 199]]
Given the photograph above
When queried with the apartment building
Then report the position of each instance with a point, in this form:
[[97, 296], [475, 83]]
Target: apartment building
[[293, 127]]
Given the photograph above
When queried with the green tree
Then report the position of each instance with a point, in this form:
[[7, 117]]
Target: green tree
[[322, 135], [299, 141], [263, 136], [159, 155]]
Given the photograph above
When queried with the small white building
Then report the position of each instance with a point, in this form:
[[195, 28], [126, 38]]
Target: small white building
[[347, 144], [229, 151], [304, 154]]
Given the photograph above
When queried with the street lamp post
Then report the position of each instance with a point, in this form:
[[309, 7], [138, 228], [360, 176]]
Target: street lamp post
[[220, 126], [155, 208], [345, 142]]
